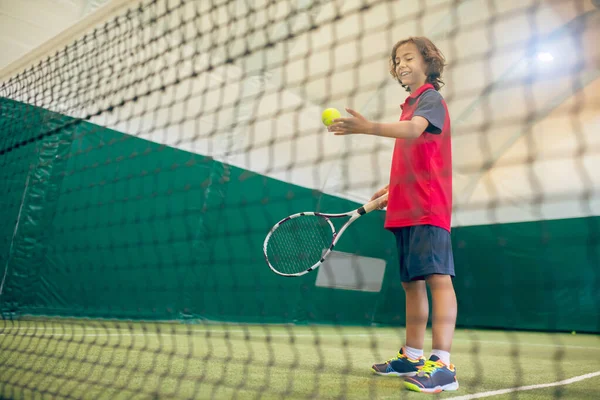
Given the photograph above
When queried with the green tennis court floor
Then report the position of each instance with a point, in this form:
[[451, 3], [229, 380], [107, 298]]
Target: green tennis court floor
[[112, 360]]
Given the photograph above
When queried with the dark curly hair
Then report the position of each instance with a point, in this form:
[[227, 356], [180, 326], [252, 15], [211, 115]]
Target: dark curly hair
[[434, 59]]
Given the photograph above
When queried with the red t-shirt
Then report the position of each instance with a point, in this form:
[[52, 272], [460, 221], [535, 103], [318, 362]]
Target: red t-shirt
[[420, 191]]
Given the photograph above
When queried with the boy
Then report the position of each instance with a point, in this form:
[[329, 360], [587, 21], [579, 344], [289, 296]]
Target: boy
[[418, 212]]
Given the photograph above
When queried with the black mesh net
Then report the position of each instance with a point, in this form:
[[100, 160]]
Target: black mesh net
[[143, 163]]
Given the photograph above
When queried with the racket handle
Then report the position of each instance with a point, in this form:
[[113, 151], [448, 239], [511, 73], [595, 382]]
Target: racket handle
[[373, 205]]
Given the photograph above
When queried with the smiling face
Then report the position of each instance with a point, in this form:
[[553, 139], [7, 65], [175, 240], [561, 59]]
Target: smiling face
[[410, 66]]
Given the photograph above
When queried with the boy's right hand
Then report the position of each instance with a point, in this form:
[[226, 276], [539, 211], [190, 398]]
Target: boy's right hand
[[380, 193]]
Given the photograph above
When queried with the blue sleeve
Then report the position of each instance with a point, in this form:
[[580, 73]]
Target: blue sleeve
[[432, 109]]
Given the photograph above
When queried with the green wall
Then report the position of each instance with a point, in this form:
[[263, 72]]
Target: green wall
[[118, 227], [531, 275]]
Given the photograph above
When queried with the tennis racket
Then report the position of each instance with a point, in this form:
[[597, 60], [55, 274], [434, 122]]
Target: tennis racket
[[300, 243]]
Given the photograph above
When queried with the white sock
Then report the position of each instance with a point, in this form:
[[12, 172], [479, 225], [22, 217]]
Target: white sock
[[444, 356], [412, 352]]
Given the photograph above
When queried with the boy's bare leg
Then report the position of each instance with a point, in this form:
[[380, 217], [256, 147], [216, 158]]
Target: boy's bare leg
[[417, 313], [444, 309]]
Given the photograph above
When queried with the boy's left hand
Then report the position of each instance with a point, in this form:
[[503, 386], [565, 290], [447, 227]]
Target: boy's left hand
[[347, 126]]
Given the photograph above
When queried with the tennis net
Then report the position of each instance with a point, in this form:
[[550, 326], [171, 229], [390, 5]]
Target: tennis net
[[146, 152]]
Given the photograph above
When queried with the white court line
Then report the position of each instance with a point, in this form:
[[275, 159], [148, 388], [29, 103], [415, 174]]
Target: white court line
[[530, 387], [221, 332], [216, 334], [521, 344]]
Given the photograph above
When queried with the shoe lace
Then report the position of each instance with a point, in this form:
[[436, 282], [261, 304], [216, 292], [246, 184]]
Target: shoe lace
[[398, 356], [430, 367]]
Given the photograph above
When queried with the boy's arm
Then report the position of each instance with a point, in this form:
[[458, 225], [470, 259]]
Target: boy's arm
[[398, 130]]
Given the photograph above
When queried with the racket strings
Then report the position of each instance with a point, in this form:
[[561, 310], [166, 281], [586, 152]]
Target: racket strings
[[299, 243]]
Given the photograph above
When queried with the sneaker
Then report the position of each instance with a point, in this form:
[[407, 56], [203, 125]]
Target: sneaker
[[433, 377], [399, 366]]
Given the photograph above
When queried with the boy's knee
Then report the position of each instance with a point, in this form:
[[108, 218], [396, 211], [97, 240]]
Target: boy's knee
[[439, 281], [414, 286]]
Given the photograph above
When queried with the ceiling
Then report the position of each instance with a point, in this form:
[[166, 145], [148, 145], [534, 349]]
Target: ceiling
[[26, 24], [491, 93]]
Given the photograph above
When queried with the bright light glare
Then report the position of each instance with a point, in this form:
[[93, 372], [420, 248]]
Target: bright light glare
[[545, 57]]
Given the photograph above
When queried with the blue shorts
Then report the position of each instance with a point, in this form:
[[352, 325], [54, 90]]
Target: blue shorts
[[423, 250]]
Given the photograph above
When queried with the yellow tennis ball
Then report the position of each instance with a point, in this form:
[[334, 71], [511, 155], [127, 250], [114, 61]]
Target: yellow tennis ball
[[329, 115]]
